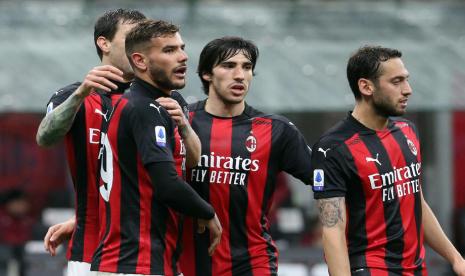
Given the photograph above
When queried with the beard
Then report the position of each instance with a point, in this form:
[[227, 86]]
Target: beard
[[161, 79], [385, 108]]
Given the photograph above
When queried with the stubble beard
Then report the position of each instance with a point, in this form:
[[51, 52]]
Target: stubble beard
[[161, 79], [384, 108]]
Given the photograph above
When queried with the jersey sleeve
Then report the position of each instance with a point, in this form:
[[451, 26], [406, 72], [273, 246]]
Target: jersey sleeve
[[296, 154], [61, 95], [152, 130], [330, 174]]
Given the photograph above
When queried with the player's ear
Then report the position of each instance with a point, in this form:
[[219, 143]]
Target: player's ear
[[138, 59], [104, 44], [207, 76], [366, 87]]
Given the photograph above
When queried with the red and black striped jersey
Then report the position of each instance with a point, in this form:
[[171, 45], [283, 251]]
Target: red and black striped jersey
[[378, 173], [141, 235], [82, 144], [241, 158]]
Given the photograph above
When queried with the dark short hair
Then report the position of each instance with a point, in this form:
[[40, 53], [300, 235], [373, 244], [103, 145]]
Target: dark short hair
[[140, 35], [365, 63], [107, 24], [221, 49]]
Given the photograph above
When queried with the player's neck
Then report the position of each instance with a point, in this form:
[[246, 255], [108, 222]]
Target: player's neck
[[152, 83], [219, 108], [127, 77], [368, 117]]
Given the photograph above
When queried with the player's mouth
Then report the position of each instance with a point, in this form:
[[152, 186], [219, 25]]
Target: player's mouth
[[180, 71], [238, 88], [403, 103]]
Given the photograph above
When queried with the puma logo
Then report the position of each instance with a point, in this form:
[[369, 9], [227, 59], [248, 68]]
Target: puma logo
[[323, 151], [156, 107], [104, 115], [370, 159]]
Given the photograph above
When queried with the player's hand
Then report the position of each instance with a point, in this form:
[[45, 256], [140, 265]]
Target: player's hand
[[459, 267], [215, 228], [57, 234], [100, 77], [175, 110]]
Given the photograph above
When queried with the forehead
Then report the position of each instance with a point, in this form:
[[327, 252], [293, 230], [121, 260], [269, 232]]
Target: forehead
[[238, 58], [167, 40], [392, 68]]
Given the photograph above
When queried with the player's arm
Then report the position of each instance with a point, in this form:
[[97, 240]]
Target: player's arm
[[180, 196], [438, 241], [57, 234], [57, 123], [333, 219], [188, 135]]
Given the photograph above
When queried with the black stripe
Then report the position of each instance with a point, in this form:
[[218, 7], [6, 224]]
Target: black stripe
[[393, 220], [238, 202], [158, 232], [356, 206], [202, 124], [97, 258], [129, 205], [269, 189], [409, 159], [79, 143]]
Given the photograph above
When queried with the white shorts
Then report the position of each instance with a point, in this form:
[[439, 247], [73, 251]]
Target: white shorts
[[79, 269]]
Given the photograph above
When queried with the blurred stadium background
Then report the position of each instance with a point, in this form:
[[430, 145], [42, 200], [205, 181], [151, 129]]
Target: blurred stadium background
[[304, 46]]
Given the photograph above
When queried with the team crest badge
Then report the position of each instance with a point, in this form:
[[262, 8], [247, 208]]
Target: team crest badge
[[318, 180], [412, 147], [160, 136], [251, 143]]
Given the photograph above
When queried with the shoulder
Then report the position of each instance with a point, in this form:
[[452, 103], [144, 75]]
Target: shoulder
[[335, 137], [179, 98], [197, 106], [66, 90]]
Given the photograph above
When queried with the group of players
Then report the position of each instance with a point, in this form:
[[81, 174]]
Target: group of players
[[152, 173]]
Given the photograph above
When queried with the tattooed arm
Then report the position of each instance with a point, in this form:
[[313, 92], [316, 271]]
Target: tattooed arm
[[57, 123], [333, 220]]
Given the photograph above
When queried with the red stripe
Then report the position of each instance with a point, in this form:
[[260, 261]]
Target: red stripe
[[406, 203], [145, 218], [459, 159], [111, 248], [410, 134], [171, 237], [93, 121], [187, 259], [374, 224], [220, 145], [255, 191]]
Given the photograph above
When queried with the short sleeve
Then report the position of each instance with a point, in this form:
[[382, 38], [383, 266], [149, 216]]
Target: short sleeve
[[153, 132], [329, 169], [61, 95], [296, 154]]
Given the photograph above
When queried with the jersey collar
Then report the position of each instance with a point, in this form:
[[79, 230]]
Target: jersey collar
[[149, 89]]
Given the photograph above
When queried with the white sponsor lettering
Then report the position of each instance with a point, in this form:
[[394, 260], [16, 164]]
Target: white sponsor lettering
[[94, 135]]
